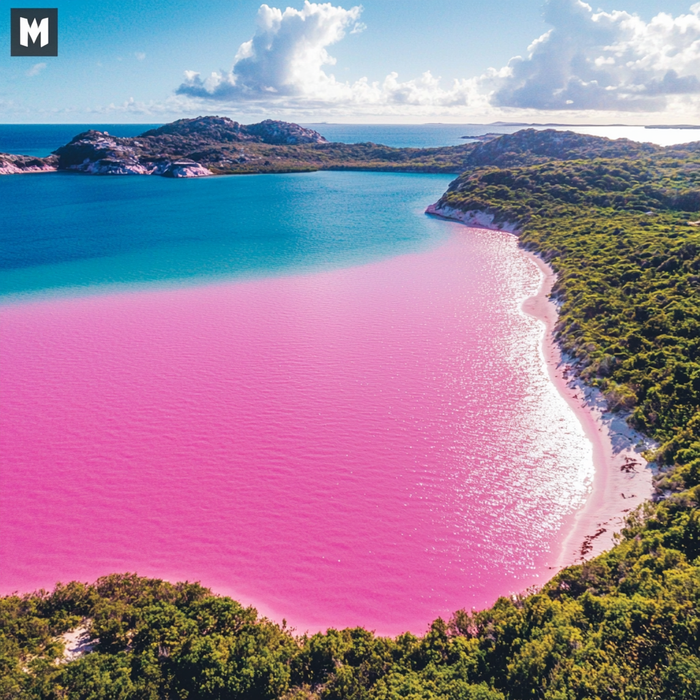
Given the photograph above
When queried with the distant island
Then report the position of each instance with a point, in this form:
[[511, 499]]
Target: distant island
[[589, 126], [214, 145]]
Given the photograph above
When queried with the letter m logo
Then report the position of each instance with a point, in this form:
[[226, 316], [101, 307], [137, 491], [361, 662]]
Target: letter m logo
[[34, 31]]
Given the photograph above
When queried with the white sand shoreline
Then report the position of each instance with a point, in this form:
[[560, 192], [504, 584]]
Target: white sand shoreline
[[623, 478]]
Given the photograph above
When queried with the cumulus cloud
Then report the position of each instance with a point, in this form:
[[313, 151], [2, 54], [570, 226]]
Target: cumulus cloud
[[286, 63], [604, 61], [587, 61], [286, 57]]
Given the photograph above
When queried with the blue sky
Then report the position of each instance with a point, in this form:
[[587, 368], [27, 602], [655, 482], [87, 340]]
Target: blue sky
[[384, 61]]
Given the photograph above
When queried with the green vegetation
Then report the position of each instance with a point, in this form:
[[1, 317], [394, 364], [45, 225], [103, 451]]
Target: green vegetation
[[622, 626], [526, 147], [622, 237], [621, 234], [264, 158]]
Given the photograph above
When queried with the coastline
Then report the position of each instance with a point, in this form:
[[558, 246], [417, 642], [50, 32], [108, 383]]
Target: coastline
[[424, 305], [623, 478], [475, 219]]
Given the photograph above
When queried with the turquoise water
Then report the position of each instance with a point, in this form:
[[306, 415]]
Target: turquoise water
[[401, 135], [65, 232]]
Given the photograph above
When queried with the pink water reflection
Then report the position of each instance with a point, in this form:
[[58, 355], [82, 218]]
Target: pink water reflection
[[378, 445]]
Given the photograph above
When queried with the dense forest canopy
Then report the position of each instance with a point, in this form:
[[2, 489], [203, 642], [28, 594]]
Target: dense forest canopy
[[622, 234]]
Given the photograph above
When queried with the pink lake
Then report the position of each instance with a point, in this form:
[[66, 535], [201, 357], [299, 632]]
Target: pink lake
[[377, 445]]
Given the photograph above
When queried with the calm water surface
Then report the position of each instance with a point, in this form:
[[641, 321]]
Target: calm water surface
[[347, 422], [67, 233]]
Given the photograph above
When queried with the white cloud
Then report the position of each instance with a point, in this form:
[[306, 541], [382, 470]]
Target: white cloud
[[140, 55], [36, 69], [604, 60], [587, 61], [285, 64], [286, 57]]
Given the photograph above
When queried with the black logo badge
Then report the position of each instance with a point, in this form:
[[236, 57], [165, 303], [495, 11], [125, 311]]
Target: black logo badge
[[34, 32]]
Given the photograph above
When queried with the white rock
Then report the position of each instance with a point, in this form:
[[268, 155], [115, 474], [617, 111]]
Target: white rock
[[473, 218]]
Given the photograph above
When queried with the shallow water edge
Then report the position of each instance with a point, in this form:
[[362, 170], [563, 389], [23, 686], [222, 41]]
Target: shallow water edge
[[623, 477]]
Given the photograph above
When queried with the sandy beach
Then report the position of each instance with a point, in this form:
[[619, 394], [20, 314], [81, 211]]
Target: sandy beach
[[623, 478]]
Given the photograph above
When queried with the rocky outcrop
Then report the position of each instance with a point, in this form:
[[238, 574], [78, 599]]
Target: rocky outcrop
[[11, 164], [283, 133], [185, 168], [218, 145], [225, 130], [185, 148], [97, 153]]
